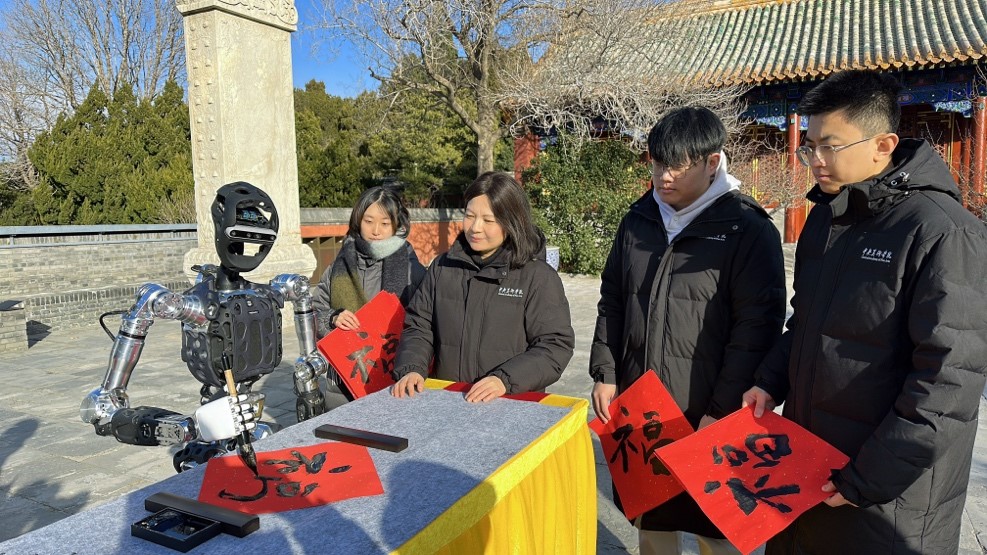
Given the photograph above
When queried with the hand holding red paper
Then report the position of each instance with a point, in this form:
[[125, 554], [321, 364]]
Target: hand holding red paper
[[642, 419], [364, 357], [753, 476]]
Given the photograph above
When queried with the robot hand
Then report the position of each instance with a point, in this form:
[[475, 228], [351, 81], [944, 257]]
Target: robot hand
[[226, 417]]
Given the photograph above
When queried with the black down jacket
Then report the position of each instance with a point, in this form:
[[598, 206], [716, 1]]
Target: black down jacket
[[510, 322], [702, 312], [884, 357]]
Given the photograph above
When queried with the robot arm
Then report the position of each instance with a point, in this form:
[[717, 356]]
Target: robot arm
[[107, 408], [296, 289], [310, 364]]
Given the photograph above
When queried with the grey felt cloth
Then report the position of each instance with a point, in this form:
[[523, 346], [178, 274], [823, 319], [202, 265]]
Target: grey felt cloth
[[452, 447]]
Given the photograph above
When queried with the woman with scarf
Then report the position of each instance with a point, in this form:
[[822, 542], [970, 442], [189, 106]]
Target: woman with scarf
[[375, 257]]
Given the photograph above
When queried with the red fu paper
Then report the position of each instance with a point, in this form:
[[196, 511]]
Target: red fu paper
[[364, 358], [753, 476], [291, 479], [642, 419]]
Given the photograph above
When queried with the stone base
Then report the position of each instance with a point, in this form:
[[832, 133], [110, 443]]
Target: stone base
[[284, 259], [13, 330]]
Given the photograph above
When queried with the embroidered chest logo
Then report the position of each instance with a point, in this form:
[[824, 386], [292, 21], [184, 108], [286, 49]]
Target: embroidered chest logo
[[720, 237], [510, 292], [876, 255]]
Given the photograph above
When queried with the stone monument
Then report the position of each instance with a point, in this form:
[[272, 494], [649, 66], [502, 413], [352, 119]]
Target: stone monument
[[241, 104]]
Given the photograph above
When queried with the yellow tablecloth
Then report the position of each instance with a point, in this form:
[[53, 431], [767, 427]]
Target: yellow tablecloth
[[543, 500]]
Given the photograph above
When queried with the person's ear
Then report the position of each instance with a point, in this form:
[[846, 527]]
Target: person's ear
[[885, 147], [712, 163]]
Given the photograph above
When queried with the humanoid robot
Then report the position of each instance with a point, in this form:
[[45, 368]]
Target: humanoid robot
[[222, 314]]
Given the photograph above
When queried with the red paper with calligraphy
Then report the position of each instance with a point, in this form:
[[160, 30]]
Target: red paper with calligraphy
[[753, 476], [642, 419], [364, 358], [291, 478]]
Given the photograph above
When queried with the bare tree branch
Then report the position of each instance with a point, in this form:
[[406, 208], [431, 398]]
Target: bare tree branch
[[53, 51]]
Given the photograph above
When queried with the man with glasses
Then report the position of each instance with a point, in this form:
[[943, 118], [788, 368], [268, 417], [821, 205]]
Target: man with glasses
[[693, 289], [885, 353]]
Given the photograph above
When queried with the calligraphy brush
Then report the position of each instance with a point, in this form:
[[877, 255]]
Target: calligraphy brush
[[243, 445]]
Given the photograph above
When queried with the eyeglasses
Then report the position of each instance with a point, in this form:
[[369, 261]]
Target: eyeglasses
[[674, 173], [824, 153]]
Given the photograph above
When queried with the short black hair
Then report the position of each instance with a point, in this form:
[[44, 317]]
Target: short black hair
[[685, 136], [510, 206], [390, 201], [868, 99]]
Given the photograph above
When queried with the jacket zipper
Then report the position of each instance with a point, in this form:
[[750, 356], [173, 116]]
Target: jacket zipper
[[664, 266], [805, 403], [468, 285]]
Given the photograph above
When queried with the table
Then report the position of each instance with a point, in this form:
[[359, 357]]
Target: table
[[504, 477]]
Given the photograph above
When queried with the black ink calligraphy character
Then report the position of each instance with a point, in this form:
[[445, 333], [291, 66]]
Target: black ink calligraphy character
[[770, 448], [734, 456], [622, 436], [390, 345], [652, 431], [223, 494], [291, 489], [360, 364], [747, 500], [312, 466]]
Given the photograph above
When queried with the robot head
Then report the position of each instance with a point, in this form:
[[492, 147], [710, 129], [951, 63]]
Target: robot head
[[243, 214]]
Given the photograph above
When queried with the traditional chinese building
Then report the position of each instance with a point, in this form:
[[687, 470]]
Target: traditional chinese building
[[779, 49]]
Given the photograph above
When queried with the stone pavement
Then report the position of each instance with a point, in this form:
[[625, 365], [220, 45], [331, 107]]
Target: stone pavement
[[52, 465]]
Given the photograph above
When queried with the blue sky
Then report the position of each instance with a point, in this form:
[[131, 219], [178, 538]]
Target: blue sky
[[338, 66]]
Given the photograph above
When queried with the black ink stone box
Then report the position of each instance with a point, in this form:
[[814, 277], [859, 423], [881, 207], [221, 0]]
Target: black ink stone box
[[175, 529]]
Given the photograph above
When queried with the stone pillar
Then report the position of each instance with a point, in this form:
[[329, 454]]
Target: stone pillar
[[238, 57]]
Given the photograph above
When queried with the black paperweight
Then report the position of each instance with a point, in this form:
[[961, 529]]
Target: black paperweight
[[362, 437], [175, 529]]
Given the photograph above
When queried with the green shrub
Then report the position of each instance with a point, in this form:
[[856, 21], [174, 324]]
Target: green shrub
[[580, 195]]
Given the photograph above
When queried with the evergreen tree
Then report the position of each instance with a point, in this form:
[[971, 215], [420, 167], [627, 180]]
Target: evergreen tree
[[113, 161]]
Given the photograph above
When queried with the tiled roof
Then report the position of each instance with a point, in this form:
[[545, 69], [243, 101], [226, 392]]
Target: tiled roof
[[744, 42]]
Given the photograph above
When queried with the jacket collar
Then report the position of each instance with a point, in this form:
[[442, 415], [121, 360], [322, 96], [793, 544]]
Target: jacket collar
[[721, 209], [916, 166], [498, 268]]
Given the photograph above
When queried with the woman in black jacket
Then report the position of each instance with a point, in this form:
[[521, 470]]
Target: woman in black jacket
[[490, 311]]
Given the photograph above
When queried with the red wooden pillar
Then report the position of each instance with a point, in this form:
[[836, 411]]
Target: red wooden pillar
[[966, 131], [525, 150], [979, 138], [794, 214]]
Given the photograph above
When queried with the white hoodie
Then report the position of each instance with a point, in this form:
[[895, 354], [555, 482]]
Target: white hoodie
[[675, 222]]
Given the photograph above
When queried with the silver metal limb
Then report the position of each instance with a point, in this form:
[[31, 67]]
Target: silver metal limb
[[152, 301], [297, 290], [310, 364]]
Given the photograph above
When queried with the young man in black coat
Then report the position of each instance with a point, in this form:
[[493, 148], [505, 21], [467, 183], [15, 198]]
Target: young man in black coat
[[693, 289], [885, 354]]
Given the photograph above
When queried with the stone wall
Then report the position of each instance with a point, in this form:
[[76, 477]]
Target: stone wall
[[66, 276], [58, 277]]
